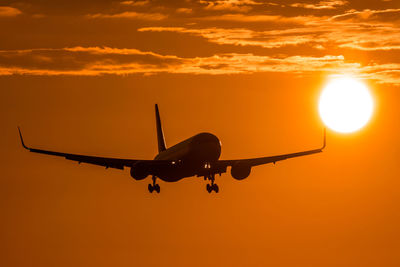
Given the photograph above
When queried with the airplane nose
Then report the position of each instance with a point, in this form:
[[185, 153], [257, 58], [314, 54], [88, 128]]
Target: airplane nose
[[214, 149], [207, 147]]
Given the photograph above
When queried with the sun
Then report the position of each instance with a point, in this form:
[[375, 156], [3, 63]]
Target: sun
[[345, 105]]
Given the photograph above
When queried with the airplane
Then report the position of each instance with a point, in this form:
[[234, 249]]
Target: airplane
[[195, 156]]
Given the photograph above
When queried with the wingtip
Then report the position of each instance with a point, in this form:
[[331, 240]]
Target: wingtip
[[324, 144], [22, 139]]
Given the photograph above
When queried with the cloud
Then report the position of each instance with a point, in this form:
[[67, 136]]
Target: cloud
[[385, 38], [351, 30], [96, 50], [129, 15], [258, 18], [184, 10], [375, 46], [135, 3], [92, 61], [231, 5], [83, 60], [7, 11], [369, 15], [352, 15], [333, 4], [245, 37]]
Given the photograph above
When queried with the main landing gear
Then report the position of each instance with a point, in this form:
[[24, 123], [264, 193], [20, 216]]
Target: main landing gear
[[212, 187], [154, 186]]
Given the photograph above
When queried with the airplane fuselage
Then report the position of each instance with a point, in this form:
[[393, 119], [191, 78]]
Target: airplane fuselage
[[190, 157]]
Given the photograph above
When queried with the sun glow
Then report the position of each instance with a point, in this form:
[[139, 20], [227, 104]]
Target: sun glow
[[345, 105]]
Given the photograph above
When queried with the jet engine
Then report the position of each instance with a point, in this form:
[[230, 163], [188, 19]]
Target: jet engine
[[139, 171], [240, 171]]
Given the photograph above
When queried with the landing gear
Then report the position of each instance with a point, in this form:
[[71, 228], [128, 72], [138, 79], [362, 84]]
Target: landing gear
[[154, 186], [216, 188], [209, 188], [212, 187]]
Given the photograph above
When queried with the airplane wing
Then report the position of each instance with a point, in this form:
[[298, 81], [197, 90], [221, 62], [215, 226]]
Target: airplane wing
[[271, 159], [101, 161]]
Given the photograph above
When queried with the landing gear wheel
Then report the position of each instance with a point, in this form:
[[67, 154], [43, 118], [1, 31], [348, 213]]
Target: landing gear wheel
[[215, 188], [157, 188], [154, 186], [209, 188], [151, 188]]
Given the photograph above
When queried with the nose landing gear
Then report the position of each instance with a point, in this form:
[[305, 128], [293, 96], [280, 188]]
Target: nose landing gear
[[154, 186], [212, 187]]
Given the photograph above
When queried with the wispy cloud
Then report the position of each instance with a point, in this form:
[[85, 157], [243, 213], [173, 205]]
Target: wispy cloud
[[257, 18], [230, 5], [391, 15], [244, 37], [7, 11], [349, 30], [350, 36], [333, 4], [184, 10], [135, 3], [129, 15]]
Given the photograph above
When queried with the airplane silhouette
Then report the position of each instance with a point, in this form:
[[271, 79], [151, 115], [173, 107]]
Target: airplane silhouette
[[196, 156]]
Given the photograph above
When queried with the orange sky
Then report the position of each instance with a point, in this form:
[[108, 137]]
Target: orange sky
[[84, 77]]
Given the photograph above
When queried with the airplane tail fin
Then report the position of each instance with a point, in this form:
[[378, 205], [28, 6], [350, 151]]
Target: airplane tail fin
[[160, 134]]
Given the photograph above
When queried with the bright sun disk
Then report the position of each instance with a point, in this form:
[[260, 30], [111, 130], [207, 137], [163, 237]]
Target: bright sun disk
[[345, 105]]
